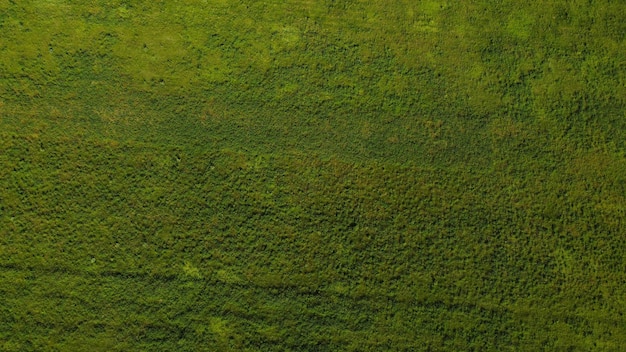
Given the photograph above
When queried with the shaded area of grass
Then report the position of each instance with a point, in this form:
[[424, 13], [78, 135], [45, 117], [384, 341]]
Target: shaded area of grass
[[133, 246]]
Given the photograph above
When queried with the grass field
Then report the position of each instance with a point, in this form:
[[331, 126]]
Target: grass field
[[332, 175]]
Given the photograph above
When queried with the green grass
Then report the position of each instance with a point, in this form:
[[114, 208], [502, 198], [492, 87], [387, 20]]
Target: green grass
[[312, 175]]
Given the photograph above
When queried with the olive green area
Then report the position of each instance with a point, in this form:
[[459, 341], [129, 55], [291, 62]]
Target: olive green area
[[308, 175]]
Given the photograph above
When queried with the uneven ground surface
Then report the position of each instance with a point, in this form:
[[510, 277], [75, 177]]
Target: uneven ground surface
[[312, 175]]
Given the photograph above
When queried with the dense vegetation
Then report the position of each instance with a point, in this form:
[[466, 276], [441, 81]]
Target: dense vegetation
[[312, 175]]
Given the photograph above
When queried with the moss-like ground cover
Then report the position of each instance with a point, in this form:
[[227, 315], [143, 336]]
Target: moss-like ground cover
[[312, 175]]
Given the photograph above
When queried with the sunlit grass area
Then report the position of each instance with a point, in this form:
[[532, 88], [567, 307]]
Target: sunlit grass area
[[312, 175]]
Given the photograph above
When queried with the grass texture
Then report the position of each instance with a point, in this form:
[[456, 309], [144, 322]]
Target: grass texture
[[302, 175]]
